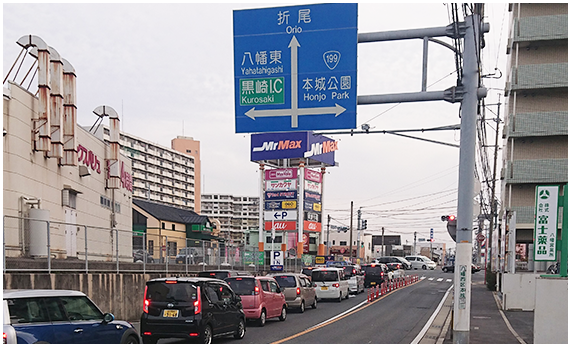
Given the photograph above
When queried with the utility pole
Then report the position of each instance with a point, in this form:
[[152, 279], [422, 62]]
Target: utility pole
[[328, 241], [414, 240], [358, 232], [351, 233]]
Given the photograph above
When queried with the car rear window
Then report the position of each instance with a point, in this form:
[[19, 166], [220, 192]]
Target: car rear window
[[321, 275], [168, 291], [306, 272], [286, 281], [373, 270], [242, 285], [214, 274]]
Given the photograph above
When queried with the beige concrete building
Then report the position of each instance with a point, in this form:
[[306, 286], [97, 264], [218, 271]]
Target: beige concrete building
[[536, 132], [165, 175], [236, 214]]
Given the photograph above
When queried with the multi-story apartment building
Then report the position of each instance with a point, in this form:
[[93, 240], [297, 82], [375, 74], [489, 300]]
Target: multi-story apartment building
[[535, 132], [165, 175], [236, 214]]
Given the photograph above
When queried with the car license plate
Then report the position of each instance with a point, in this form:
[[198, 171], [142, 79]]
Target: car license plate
[[373, 283], [180, 262], [171, 313], [324, 288]]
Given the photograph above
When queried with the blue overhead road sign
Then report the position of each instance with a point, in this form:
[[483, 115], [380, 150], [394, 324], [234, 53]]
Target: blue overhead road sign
[[295, 68]]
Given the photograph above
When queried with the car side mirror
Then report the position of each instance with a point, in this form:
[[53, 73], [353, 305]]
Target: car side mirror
[[108, 317]]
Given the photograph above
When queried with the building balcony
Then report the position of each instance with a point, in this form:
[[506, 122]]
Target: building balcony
[[537, 124], [536, 171], [537, 76], [539, 28]]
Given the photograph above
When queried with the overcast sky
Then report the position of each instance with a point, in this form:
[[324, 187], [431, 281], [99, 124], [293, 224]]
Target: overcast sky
[[168, 71]]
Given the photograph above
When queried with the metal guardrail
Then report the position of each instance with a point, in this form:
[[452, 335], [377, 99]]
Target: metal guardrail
[[120, 251]]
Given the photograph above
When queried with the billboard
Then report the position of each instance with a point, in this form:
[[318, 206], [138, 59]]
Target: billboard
[[304, 144]]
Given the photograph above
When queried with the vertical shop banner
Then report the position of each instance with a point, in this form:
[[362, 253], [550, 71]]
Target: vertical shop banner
[[546, 219]]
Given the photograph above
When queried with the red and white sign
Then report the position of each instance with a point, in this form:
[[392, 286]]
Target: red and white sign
[[311, 226], [281, 185], [311, 175], [312, 186], [281, 225], [279, 174]]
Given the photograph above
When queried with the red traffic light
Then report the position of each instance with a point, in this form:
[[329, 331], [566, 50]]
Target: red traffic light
[[451, 217]]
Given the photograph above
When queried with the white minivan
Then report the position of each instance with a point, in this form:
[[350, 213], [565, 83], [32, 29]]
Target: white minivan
[[421, 262], [330, 283]]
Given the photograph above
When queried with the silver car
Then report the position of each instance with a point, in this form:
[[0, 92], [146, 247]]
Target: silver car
[[298, 290]]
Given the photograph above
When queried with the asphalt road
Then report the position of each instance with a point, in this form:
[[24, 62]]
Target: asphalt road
[[396, 318]]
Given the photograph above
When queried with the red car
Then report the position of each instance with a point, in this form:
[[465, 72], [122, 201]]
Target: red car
[[261, 296]]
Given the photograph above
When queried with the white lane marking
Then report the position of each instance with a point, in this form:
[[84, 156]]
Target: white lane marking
[[439, 279], [448, 280], [430, 321], [431, 278]]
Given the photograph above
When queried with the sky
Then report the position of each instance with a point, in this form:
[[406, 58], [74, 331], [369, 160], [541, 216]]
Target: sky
[[167, 69]]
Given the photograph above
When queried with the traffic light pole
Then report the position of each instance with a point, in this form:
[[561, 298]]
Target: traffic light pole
[[468, 93]]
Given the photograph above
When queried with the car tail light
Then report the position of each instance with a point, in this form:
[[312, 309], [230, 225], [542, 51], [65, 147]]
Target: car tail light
[[4, 338], [372, 265], [147, 333], [198, 302], [381, 273], [171, 282], [146, 301], [193, 334], [256, 290], [314, 285], [336, 285], [297, 291]]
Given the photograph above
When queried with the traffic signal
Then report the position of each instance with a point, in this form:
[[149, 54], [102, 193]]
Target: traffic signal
[[451, 225], [363, 224]]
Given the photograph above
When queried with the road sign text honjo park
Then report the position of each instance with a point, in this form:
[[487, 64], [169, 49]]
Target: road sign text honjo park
[[295, 68]]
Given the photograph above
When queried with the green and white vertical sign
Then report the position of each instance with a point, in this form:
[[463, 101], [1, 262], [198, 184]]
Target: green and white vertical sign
[[546, 219]]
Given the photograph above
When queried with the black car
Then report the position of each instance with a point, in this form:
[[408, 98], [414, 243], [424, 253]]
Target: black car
[[191, 308], [375, 274], [221, 274], [451, 268]]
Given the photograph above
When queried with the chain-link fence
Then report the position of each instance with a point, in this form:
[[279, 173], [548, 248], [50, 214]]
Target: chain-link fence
[[37, 244]]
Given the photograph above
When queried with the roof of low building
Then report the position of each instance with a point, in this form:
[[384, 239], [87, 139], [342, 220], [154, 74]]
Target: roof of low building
[[169, 213]]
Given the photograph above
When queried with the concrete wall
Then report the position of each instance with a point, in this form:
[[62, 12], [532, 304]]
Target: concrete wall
[[518, 291], [551, 311], [121, 294]]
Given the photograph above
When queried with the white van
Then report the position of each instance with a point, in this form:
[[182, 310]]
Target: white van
[[330, 283], [421, 262]]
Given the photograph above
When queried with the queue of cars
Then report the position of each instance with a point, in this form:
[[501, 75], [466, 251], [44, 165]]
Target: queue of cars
[[217, 303]]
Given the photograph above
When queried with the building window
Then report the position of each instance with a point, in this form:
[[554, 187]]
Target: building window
[[151, 247], [172, 248], [188, 151], [163, 225], [69, 198], [173, 227], [342, 242]]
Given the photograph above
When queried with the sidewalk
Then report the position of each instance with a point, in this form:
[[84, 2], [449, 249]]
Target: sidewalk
[[488, 324]]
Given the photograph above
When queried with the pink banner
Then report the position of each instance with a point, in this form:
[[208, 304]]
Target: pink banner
[[279, 174], [312, 175]]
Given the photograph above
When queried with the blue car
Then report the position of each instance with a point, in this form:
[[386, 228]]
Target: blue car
[[62, 317]]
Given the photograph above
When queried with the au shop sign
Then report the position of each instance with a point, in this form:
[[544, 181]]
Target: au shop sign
[[311, 226], [281, 225]]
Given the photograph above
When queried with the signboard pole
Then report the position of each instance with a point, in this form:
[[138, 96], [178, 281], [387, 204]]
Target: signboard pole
[[300, 210], [261, 229]]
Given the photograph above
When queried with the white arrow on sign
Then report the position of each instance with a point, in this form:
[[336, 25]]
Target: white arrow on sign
[[294, 111], [280, 215]]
